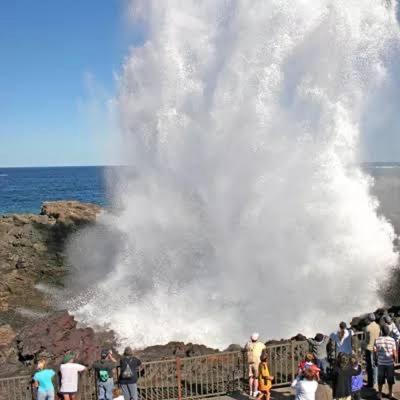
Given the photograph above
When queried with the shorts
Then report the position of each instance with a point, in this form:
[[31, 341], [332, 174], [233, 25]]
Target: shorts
[[253, 370], [386, 372]]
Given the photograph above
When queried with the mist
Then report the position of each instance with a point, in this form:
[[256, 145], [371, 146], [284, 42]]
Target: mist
[[244, 207]]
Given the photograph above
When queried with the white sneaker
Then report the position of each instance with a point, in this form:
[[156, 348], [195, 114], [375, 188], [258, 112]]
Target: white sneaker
[[255, 394]]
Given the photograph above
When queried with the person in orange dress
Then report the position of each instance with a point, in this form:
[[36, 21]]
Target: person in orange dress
[[264, 378]]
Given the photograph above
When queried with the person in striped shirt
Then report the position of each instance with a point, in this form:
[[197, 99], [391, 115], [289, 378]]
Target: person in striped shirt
[[385, 350]]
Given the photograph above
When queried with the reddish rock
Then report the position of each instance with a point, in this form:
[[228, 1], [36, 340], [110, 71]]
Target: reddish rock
[[53, 336]]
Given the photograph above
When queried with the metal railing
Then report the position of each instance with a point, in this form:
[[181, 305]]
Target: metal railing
[[186, 378]]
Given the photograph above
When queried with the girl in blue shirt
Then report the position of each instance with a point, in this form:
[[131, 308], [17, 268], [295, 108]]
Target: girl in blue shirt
[[43, 379]]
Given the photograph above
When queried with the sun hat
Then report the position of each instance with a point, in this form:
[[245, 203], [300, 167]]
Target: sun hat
[[68, 357], [254, 337]]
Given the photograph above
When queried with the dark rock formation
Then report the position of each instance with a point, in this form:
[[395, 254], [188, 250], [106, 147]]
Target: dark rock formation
[[31, 251], [53, 336], [172, 350]]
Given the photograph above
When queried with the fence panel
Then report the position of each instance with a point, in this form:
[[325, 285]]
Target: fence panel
[[16, 388], [188, 378]]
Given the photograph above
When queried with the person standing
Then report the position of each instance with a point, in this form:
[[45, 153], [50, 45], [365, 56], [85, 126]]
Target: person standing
[[357, 381], [372, 332], [43, 378], [393, 331], [341, 377], [264, 378], [306, 387], [69, 371], [318, 348], [342, 339], [385, 349], [104, 375], [254, 348], [129, 371]]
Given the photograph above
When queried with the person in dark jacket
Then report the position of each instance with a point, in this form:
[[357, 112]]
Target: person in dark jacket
[[341, 377], [129, 371]]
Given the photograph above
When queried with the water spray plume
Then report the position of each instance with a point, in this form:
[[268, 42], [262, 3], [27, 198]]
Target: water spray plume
[[247, 209]]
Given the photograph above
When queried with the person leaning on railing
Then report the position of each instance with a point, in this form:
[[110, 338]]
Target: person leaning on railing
[[104, 375], [43, 378], [129, 371]]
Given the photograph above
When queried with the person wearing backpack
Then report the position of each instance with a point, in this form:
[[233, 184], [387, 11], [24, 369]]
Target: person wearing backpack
[[129, 368], [104, 375], [254, 349]]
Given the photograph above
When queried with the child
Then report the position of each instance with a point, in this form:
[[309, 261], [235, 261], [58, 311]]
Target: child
[[306, 388], [309, 362], [117, 394], [264, 378], [341, 376], [356, 381]]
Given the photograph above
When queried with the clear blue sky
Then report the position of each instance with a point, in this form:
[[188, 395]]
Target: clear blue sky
[[56, 57], [57, 64]]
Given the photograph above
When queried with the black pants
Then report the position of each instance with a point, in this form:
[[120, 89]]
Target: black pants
[[371, 368], [356, 395]]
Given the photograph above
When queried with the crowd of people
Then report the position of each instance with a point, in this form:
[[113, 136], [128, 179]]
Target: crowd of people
[[108, 388], [335, 360]]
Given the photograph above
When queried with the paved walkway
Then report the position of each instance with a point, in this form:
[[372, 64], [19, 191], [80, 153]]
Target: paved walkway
[[324, 392]]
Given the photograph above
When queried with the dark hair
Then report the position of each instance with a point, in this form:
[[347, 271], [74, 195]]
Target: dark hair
[[385, 330], [319, 337], [342, 325], [128, 352], [343, 360], [263, 356]]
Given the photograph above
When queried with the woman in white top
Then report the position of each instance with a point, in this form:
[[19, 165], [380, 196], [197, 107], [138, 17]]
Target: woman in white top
[[69, 377], [306, 387]]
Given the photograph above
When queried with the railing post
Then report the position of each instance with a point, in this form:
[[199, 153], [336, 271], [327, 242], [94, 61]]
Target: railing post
[[179, 377], [293, 359]]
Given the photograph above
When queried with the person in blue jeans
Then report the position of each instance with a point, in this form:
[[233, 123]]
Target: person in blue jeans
[[43, 378], [104, 375]]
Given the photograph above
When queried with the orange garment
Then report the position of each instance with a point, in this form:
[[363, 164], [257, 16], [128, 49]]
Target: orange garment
[[264, 384]]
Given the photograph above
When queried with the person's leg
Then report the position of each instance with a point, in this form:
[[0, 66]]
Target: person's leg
[[101, 393], [50, 395], [66, 396], [125, 391], [133, 390], [255, 382], [390, 378], [369, 365], [381, 378], [109, 386], [41, 395]]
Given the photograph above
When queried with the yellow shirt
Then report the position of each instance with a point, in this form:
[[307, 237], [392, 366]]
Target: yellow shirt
[[254, 350], [264, 384]]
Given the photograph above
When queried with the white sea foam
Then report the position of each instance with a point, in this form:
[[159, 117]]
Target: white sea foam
[[247, 209]]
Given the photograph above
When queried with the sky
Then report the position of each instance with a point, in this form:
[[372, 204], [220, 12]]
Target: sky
[[58, 63]]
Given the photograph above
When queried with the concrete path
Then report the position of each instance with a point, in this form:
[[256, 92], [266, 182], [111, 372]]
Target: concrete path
[[324, 392]]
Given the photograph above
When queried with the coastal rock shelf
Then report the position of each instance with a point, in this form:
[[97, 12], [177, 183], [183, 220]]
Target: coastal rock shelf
[[32, 252]]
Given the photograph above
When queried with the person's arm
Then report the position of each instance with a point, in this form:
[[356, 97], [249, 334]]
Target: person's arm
[[81, 368], [355, 371]]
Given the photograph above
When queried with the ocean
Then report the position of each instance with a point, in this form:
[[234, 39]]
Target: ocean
[[23, 190]]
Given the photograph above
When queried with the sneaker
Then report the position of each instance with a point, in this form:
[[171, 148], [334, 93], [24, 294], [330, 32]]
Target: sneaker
[[255, 394], [251, 394]]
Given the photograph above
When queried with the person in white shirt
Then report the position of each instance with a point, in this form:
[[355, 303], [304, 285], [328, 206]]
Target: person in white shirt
[[69, 377], [306, 387]]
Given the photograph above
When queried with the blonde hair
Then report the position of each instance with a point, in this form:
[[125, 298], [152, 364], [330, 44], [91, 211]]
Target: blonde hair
[[117, 391], [41, 364]]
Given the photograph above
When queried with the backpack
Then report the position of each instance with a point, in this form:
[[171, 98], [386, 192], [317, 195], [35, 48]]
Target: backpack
[[126, 371], [103, 375]]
